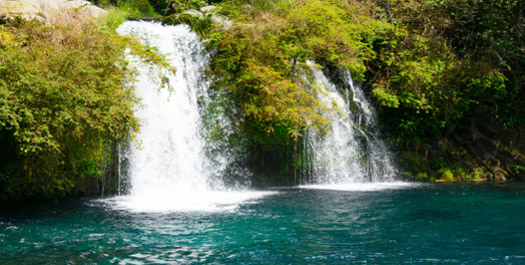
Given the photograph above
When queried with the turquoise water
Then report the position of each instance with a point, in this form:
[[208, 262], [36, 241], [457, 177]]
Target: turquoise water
[[427, 224]]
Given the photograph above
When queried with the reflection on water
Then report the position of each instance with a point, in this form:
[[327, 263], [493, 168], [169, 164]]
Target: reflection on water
[[425, 224], [361, 186]]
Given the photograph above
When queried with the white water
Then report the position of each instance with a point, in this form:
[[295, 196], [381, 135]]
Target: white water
[[379, 164], [352, 155], [370, 186], [173, 165]]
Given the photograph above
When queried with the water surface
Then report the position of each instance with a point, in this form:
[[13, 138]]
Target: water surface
[[426, 224]]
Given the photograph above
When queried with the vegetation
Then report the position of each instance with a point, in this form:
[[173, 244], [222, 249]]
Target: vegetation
[[152, 8], [429, 65], [454, 61], [63, 101], [262, 60], [426, 71], [132, 8], [448, 57]]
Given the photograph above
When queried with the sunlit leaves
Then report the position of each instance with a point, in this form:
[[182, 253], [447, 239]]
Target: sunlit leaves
[[63, 100], [262, 57]]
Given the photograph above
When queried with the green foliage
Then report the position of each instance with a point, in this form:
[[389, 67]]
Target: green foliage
[[63, 100], [492, 32], [168, 7], [398, 48], [444, 58], [519, 168], [422, 176], [461, 174], [262, 57], [131, 8], [200, 24], [437, 163], [446, 175]]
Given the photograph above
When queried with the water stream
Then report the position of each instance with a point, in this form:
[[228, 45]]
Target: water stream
[[173, 165], [177, 163], [352, 152]]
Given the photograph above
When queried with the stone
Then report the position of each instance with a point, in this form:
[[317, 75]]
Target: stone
[[208, 9], [222, 21], [192, 12], [499, 173], [49, 11]]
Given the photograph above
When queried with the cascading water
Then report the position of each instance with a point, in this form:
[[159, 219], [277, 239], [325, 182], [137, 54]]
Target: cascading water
[[352, 151], [172, 163], [379, 164]]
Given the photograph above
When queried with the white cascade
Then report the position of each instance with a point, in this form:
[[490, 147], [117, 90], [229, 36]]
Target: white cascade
[[172, 164], [352, 152], [379, 164]]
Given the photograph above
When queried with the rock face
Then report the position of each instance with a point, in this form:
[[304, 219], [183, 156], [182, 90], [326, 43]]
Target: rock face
[[480, 144], [48, 11], [484, 143]]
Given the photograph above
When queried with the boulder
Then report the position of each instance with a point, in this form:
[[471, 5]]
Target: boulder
[[208, 9], [192, 12], [48, 11], [222, 21]]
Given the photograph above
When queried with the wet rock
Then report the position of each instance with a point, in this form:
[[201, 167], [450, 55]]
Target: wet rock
[[485, 143], [494, 166], [481, 147]]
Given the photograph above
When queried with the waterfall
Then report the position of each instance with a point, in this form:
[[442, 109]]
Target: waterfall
[[352, 152], [119, 159], [173, 162], [380, 166]]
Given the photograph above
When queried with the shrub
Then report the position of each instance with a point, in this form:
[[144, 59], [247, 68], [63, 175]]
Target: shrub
[[63, 100]]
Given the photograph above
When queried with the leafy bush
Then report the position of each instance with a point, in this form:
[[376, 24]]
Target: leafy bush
[[262, 57], [424, 71], [168, 7], [63, 100], [445, 58], [133, 8]]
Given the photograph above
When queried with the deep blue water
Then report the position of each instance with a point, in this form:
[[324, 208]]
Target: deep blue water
[[428, 224]]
